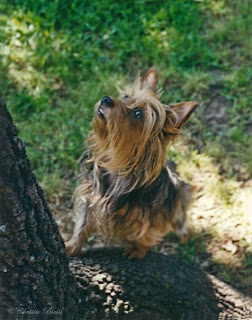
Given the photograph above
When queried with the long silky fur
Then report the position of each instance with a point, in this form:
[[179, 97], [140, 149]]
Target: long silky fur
[[128, 192], [144, 162]]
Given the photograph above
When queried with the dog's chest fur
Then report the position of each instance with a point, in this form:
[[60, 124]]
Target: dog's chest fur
[[143, 214]]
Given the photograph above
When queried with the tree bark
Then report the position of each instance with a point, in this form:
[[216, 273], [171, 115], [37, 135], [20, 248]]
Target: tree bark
[[159, 287], [37, 281]]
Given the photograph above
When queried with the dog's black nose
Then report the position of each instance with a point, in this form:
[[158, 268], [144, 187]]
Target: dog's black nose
[[108, 101]]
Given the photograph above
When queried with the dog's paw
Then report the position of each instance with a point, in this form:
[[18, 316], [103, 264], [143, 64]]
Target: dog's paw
[[183, 235], [73, 248], [136, 252]]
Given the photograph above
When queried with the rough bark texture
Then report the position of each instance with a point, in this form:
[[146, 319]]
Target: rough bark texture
[[158, 287], [33, 263], [37, 283]]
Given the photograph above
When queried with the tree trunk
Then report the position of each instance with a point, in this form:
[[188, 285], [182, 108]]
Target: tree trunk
[[34, 266], [37, 283]]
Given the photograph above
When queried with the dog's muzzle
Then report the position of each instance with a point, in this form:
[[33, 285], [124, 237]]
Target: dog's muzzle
[[105, 102]]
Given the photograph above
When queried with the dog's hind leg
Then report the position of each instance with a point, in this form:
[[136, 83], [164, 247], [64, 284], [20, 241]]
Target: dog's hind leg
[[179, 220]]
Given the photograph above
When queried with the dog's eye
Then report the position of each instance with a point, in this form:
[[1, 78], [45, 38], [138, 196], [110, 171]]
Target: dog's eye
[[125, 98], [137, 114]]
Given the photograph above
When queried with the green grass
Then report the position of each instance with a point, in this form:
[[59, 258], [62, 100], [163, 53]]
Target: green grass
[[59, 58]]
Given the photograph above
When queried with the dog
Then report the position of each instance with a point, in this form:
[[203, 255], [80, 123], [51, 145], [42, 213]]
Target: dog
[[128, 191]]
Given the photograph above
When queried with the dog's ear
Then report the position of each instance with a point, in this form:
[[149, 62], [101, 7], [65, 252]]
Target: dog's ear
[[177, 115], [149, 79], [183, 111]]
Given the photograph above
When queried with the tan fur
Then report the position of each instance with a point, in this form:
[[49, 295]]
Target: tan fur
[[127, 162]]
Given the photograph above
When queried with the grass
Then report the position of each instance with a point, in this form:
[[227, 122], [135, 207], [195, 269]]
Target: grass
[[60, 61], [59, 58]]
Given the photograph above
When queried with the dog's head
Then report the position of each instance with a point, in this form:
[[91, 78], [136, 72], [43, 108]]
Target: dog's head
[[131, 133]]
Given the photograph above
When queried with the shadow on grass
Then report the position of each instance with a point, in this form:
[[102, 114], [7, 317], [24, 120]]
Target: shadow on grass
[[197, 252]]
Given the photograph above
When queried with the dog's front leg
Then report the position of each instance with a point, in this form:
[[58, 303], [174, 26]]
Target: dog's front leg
[[84, 226]]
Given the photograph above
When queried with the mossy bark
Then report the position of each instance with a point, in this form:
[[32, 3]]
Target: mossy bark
[[37, 281]]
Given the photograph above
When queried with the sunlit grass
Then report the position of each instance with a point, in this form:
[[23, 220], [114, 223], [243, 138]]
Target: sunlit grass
[[56, 73], [221, 207]]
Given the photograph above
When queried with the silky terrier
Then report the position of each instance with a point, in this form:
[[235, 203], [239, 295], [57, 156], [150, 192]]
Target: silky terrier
[[128, 192]]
